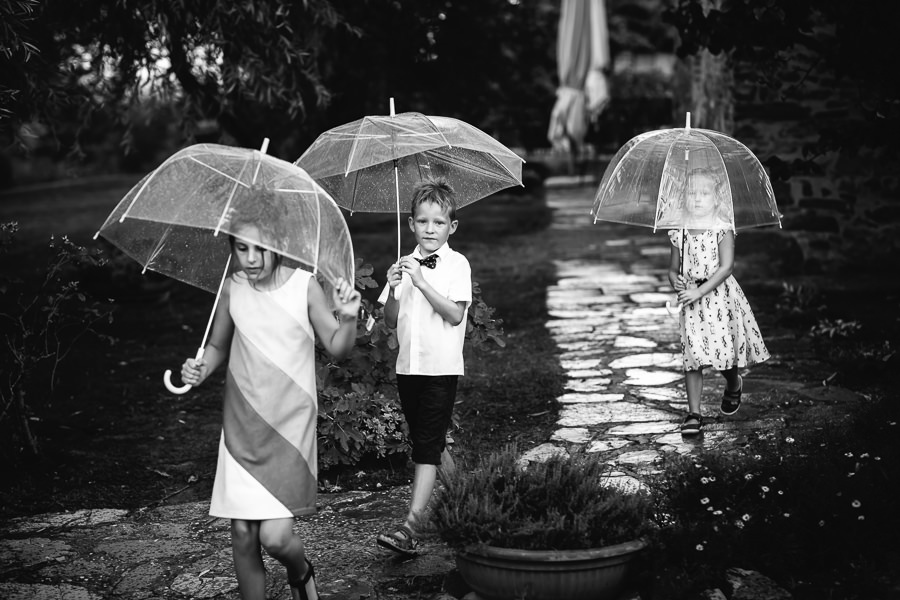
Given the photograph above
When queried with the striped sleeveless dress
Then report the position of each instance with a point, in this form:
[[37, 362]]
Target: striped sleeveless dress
[[267, 451]]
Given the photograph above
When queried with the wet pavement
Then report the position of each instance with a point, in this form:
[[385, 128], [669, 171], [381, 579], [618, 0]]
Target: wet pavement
[[624, 399]]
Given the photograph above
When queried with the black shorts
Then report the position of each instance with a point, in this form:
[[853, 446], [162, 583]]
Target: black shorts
[[427, 402]]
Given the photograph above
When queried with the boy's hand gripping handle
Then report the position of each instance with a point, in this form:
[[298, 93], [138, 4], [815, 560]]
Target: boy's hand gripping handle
[[167, 377]]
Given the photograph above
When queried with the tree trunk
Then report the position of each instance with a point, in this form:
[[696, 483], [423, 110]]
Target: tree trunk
[[712, 86]]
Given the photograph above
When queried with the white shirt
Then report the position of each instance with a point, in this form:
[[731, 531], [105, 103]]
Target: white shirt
[[429, 345]]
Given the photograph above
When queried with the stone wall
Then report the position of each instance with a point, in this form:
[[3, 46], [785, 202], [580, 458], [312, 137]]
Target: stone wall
[[845, 213]]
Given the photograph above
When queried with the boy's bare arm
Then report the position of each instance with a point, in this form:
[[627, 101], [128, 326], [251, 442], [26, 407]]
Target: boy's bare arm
[[391, 310]]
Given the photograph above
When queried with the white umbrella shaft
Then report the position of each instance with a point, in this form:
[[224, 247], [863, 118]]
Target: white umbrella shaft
[[167, 376]]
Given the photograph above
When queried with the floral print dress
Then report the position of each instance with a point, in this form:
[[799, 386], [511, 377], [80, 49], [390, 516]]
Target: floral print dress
[[718, 330]]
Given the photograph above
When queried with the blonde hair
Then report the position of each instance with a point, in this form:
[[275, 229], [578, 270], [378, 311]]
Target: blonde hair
[[724, 210]]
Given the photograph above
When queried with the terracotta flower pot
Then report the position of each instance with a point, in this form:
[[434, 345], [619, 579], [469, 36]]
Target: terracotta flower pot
[[505, 573]]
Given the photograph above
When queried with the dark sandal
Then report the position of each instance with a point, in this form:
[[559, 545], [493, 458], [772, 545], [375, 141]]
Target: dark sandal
[[731, 401], [300, 585], [402, 541], [692, 424]]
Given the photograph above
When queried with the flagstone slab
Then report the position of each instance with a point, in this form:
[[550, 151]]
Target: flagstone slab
[[674, 395], [590, 384], [572, 435], [648, 428], [662, 360], [653, 297], [599, 413], [639, 457], [592, 364], [607, 445], [627, 341], [643, 377], [589, 398]]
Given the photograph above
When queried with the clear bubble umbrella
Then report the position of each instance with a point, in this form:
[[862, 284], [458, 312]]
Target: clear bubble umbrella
[[646, 182], [373, 163], [177, 220]]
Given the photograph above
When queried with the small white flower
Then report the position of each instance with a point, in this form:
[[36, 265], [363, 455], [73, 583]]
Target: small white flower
[[861, 518], [717, 512], [739, 524], [821, 523], [699, 547], [711, 478], [877, 458], [704, 480], [748, 476], [780, 493], [765, 489], [856, 504], [789, 440], [864, 455], [746, 517], [787, 515], [848, 454], [704, 500]]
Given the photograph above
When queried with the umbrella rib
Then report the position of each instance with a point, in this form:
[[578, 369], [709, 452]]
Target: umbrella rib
[[290, 191], [727, 179], [237, 182], [443, 137], [773, 210], [215, 170], [354, 146], [318, 231], [133, 200]]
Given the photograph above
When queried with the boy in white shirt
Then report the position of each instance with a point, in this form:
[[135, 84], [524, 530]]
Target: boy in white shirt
[[427, 300]]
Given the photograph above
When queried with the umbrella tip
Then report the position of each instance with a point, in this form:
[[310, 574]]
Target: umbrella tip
[[687, 120], [392, 106], [265, 146]]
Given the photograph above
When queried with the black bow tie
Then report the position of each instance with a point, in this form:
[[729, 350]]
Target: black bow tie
[[429, 261]]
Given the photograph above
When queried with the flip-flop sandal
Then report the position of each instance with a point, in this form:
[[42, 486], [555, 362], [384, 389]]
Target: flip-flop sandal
[[692, 424], [402, 541], [731, 401]]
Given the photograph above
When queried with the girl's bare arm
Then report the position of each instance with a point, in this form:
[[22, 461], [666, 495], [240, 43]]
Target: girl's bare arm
[[338, 337]]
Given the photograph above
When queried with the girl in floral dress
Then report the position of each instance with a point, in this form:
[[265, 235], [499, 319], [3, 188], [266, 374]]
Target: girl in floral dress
[[718, 329]]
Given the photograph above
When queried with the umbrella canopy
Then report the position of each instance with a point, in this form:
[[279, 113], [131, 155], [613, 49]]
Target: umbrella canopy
[[355, 162], [177, 219], [582, 54], [646, 183]]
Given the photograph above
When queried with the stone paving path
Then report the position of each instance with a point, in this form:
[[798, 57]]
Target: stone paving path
[[625, 395]]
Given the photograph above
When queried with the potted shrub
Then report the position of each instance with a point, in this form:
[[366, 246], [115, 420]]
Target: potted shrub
[[547, 530]]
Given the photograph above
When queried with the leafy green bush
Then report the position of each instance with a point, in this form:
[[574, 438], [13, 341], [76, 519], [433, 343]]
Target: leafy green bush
[[359, 410], [559, 504], [815, 510]]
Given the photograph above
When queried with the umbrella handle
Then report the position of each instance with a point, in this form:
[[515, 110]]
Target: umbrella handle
[[167, 378], [673, 310]]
